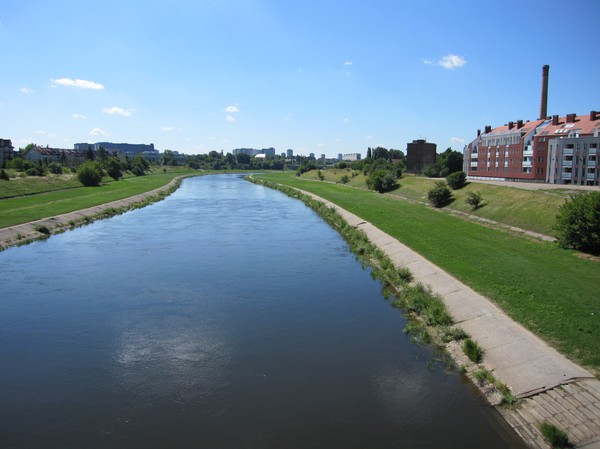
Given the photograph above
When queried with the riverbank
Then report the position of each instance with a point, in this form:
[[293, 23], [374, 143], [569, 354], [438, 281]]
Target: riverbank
[[550, 388], [41, 229]]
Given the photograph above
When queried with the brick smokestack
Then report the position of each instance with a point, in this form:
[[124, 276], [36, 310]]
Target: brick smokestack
[[544, 100]]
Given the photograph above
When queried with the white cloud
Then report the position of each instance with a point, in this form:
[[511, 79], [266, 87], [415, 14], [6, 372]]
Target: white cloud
[[321, 145], [368, 137], [115, 110], [457, 140], [167, 128], [78, 116], [348, 63], [346, 120], [232, 108], [230, 118], [98, 132], [448, 62], [81, 84], [26, 90]]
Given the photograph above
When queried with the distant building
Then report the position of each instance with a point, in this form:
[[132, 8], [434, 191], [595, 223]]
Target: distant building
[[351, 157], [125, 149], [340, 157], [290, 154], [269, 152], [6, 151], [322, 157], [419, 154], [61, 155]]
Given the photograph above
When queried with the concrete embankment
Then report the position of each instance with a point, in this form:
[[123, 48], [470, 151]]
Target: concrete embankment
[[26, 232], [548, 385]]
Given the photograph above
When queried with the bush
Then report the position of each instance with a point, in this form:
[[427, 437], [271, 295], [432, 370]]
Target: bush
[[382, 181], [578, 223], [4, 175], [473, 350], [474, 199], [440, 195], [345, 179], [38, 170], [114, 167], [55, 168], [556, 437], [42, 229], [457, 180], [90, 173]]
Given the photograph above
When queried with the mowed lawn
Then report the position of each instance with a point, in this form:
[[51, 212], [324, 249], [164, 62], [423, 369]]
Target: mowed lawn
[[28, 208], [549, 290]]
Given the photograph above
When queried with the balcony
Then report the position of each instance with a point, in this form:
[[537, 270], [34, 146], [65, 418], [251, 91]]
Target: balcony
[[567, 151], [526, 164], [565, 175], [567, 163], [528, 150], [591, 163], [590, 176]]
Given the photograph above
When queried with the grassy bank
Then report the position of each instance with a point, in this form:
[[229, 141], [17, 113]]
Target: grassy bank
[[550, 291], [534, 210], [33, 207]]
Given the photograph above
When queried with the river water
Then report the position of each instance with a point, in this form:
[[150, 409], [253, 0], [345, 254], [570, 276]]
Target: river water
[[226, 316]]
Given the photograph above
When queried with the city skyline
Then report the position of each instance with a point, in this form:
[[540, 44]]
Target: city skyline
[[316, 77]]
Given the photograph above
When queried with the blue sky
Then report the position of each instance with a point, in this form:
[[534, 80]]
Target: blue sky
[[316, 76]]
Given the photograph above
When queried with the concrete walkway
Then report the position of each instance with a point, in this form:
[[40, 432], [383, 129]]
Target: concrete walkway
[[557, 390]]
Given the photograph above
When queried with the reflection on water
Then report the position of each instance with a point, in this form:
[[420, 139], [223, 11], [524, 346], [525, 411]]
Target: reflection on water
[[225, 316]]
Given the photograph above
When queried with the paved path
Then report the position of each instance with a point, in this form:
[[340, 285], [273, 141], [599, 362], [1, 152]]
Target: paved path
[[552, 387]]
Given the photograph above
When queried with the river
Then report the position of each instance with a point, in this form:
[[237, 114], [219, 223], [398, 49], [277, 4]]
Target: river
[[226, 316]]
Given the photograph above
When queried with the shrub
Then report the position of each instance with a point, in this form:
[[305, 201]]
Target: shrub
[[440, 195], [555, 436], [90, 173], [42, 229], [345, 179], [38, 170], [474, 199], [382, 181], [4, 175], [114, 167], [473, 350], [457, 180], [320, 175], [55, 168], [578, 223]]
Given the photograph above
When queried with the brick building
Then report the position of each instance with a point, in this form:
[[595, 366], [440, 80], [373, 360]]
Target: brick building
[[419, 154]]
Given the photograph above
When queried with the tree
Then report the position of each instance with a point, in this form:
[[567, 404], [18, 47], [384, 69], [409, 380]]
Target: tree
[[55, 168], [369, 154], [450, 161], [89, 154], [139, 165], [102, 154], [578, 223], [169, 158], [382, 181], [440, 195], [474, 199], [114, 168], [457, 180], [90, 173]]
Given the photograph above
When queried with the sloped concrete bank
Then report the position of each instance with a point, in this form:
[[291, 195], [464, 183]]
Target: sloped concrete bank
[[42, 229], [548, 386]]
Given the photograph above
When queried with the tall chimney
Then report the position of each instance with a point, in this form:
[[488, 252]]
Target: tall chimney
[[544, 100]]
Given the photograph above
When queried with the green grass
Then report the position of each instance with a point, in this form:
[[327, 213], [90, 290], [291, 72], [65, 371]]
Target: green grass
[[534, 210], [33, 207], [549, 290]]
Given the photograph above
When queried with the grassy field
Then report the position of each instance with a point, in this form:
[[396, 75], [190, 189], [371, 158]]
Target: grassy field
[[57, 200], [551, 291], [534, 210]]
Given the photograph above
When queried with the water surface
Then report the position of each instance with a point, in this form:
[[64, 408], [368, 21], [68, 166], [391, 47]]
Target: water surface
[[226, 316]]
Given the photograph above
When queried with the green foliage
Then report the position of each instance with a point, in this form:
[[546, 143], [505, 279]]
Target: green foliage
[[556, 437], [37, 170], [473, 350], [457, 180], [90, 173], [452, 333], [114, 168], [474, 199], [440, 195], [345, 179], [578, 223], [55, 168], [342, 165], [4, 175], [447, 162], [42, 229], [139, 165], [382, 181], [320, 175]]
